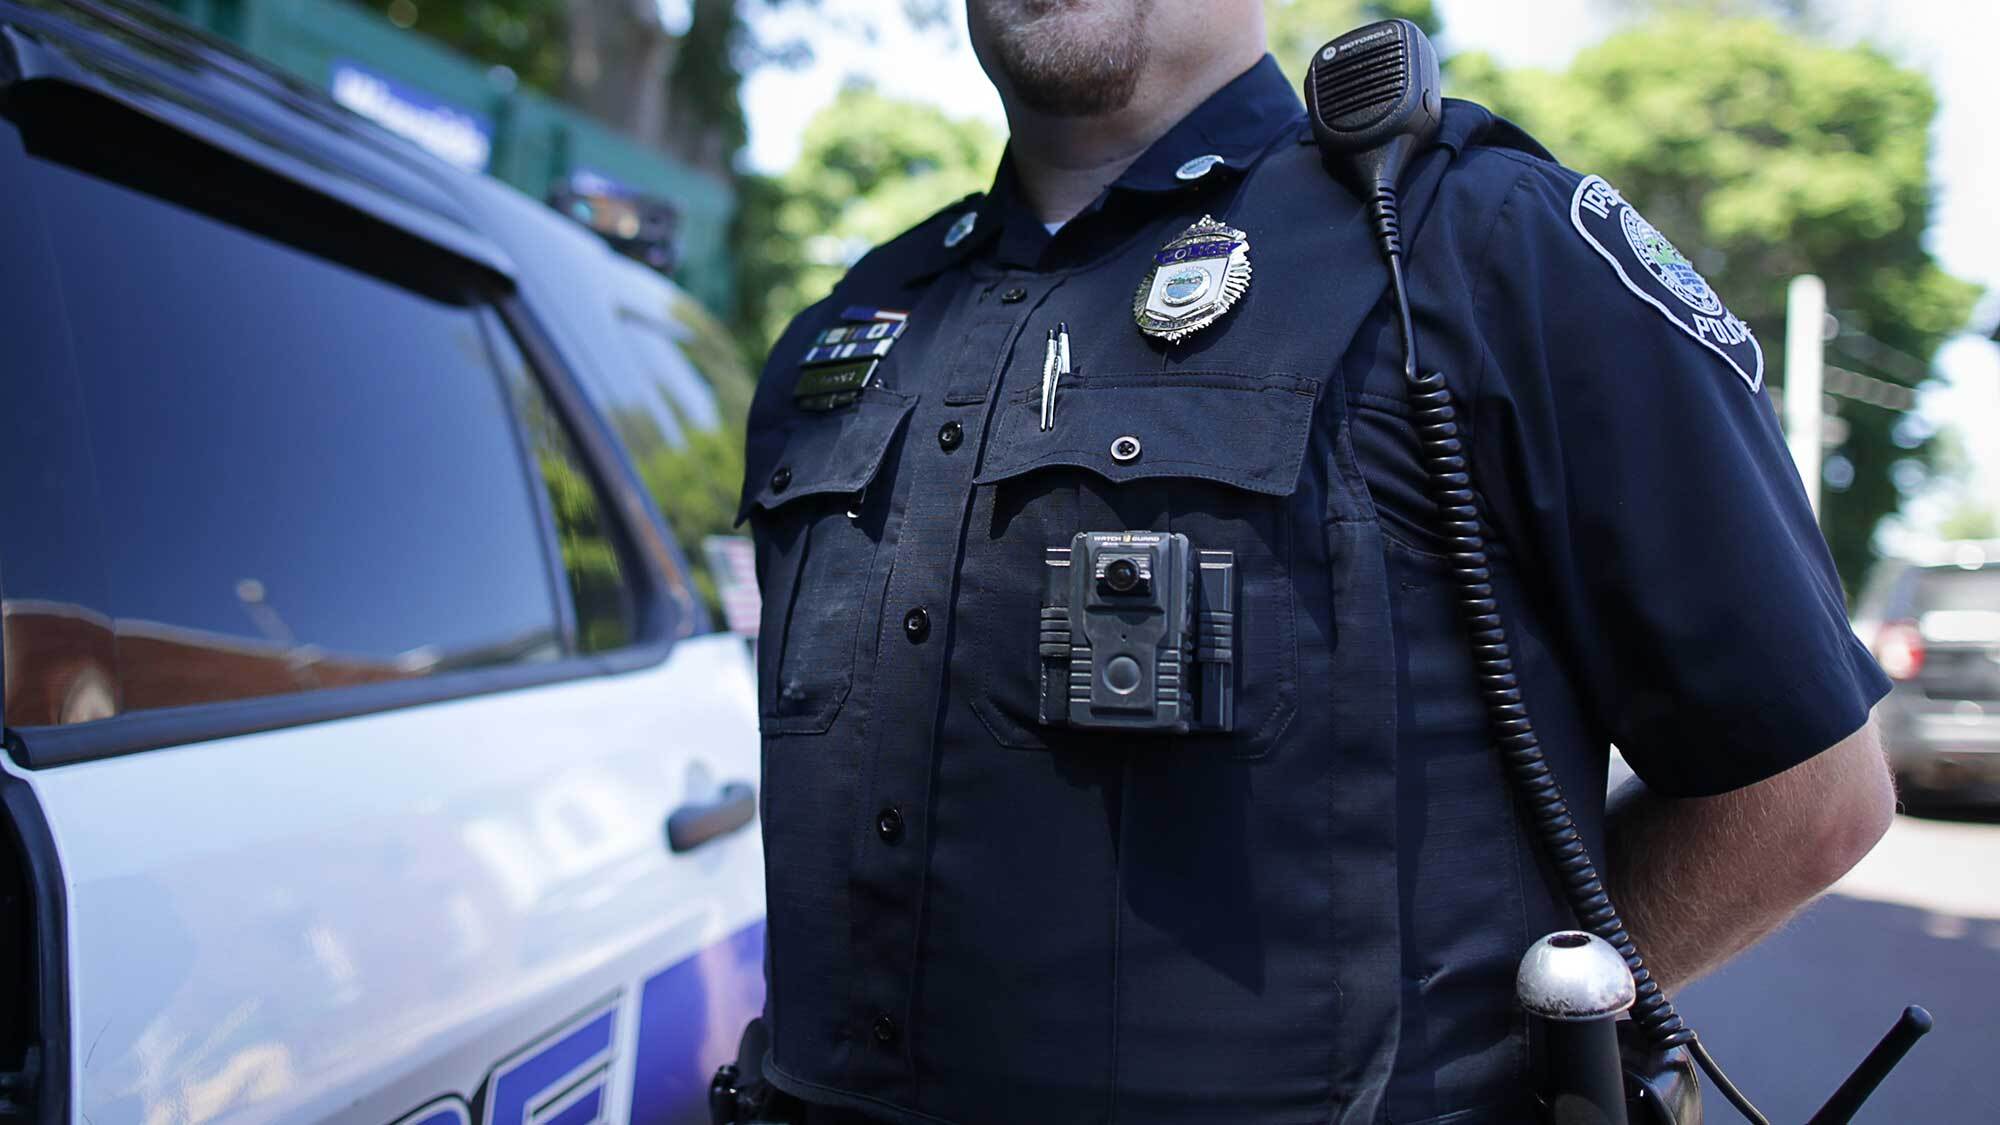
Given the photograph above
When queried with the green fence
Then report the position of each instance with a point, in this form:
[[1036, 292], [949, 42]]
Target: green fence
[[529, 140]]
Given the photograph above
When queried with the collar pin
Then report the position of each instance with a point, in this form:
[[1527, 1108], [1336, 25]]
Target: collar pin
[[961, 230], [1198, 167]]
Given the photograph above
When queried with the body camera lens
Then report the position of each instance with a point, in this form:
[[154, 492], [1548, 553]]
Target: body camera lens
[[1122, 575]]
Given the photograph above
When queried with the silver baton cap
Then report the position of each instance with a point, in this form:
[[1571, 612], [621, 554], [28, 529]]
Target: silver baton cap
[[1572, 975]]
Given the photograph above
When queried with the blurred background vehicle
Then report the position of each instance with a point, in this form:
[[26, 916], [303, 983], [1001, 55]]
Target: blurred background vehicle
[[1934, 625], [373, 753]]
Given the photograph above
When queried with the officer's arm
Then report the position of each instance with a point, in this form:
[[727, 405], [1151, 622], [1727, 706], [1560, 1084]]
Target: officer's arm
[[1700, 879], [1635, 466]]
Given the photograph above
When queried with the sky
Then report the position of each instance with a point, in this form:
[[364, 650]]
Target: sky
[[1949, 40]]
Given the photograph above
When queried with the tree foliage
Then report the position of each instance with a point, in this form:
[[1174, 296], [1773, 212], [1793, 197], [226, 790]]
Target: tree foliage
[[529, 37], [1297, 28], [870, 167], [1969, 519], [1764, 154], [677, 88], [671, 81]]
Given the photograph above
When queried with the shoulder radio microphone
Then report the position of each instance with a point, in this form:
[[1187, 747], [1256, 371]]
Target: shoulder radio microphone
[[1374, 97]]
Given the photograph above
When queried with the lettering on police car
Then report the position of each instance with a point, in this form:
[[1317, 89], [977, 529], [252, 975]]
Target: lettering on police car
[[1659, 274], [665, 1039], [448, 1110], [560, 1080]]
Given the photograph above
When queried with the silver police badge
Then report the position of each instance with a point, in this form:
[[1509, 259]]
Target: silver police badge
[[1195, 279]]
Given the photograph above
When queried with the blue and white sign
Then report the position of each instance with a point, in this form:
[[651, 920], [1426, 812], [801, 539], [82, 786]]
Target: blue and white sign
[[448, 132], [588, 181]]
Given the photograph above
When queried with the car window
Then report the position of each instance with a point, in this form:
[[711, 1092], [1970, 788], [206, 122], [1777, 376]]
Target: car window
[[716, 355], [682, 398], [592, 557], [679, 405], [271, 473]]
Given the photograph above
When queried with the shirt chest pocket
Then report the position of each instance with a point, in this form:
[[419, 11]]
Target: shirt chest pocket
[[822, 525], [1215, 456]]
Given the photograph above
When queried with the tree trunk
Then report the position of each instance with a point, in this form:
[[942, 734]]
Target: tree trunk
[[704, 119], [619, 60]]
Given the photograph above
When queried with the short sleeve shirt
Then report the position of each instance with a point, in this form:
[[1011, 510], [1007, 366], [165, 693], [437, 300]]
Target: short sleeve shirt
[[1631, 460]]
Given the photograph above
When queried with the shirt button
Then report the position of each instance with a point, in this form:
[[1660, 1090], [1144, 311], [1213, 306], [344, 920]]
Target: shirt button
[[781, 479], [885, 1030], [949, 435], [1125, 450], [917, 625], [889, 824], [1014, 295]]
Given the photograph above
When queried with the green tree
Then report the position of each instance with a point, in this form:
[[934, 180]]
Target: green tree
[[675, 86], [1764, 154], [666, 73], [1297, 28], [529, 37], [870, 166], [1970, 519]]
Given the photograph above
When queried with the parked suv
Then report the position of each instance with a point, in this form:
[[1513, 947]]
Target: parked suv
[[371, 753], [1934, 624]]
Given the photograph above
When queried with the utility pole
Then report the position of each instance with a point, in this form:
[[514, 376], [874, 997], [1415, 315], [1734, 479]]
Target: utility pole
[[1805, 366]]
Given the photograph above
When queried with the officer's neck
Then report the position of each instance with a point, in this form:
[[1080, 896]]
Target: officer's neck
[[1063, 163]]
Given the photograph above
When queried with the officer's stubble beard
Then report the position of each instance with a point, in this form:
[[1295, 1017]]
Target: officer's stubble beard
[[1089, 85], [1063, 58]]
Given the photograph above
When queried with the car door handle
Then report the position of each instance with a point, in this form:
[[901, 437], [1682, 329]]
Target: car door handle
[[698, 822]]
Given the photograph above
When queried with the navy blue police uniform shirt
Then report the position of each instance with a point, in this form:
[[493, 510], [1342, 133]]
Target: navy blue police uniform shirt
[[1630, 457], [1667, 587]]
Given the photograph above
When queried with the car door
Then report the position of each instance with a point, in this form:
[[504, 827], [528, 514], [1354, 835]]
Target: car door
[[388, 776]]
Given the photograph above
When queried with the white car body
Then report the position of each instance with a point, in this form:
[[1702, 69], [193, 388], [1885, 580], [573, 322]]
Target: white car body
[[343, 921], [440, 900]]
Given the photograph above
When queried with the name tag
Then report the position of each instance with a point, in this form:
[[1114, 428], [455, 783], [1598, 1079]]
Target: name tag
[[830, 386], [840, 362]]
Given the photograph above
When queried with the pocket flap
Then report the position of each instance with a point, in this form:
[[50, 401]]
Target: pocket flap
[[1246, 431], [838, 452]]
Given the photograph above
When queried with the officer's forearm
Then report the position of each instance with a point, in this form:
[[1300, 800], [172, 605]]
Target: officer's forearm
[[1703, 879]]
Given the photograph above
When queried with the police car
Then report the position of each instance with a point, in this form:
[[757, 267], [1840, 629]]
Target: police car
[[372, 754]]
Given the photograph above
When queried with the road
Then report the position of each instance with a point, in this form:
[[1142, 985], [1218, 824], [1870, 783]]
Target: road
[[1917, 922]]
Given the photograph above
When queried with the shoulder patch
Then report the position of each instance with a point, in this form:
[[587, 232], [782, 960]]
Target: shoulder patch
[[1661, 276]]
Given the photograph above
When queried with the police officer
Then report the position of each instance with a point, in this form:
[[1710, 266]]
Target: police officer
[[1265, 870]]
